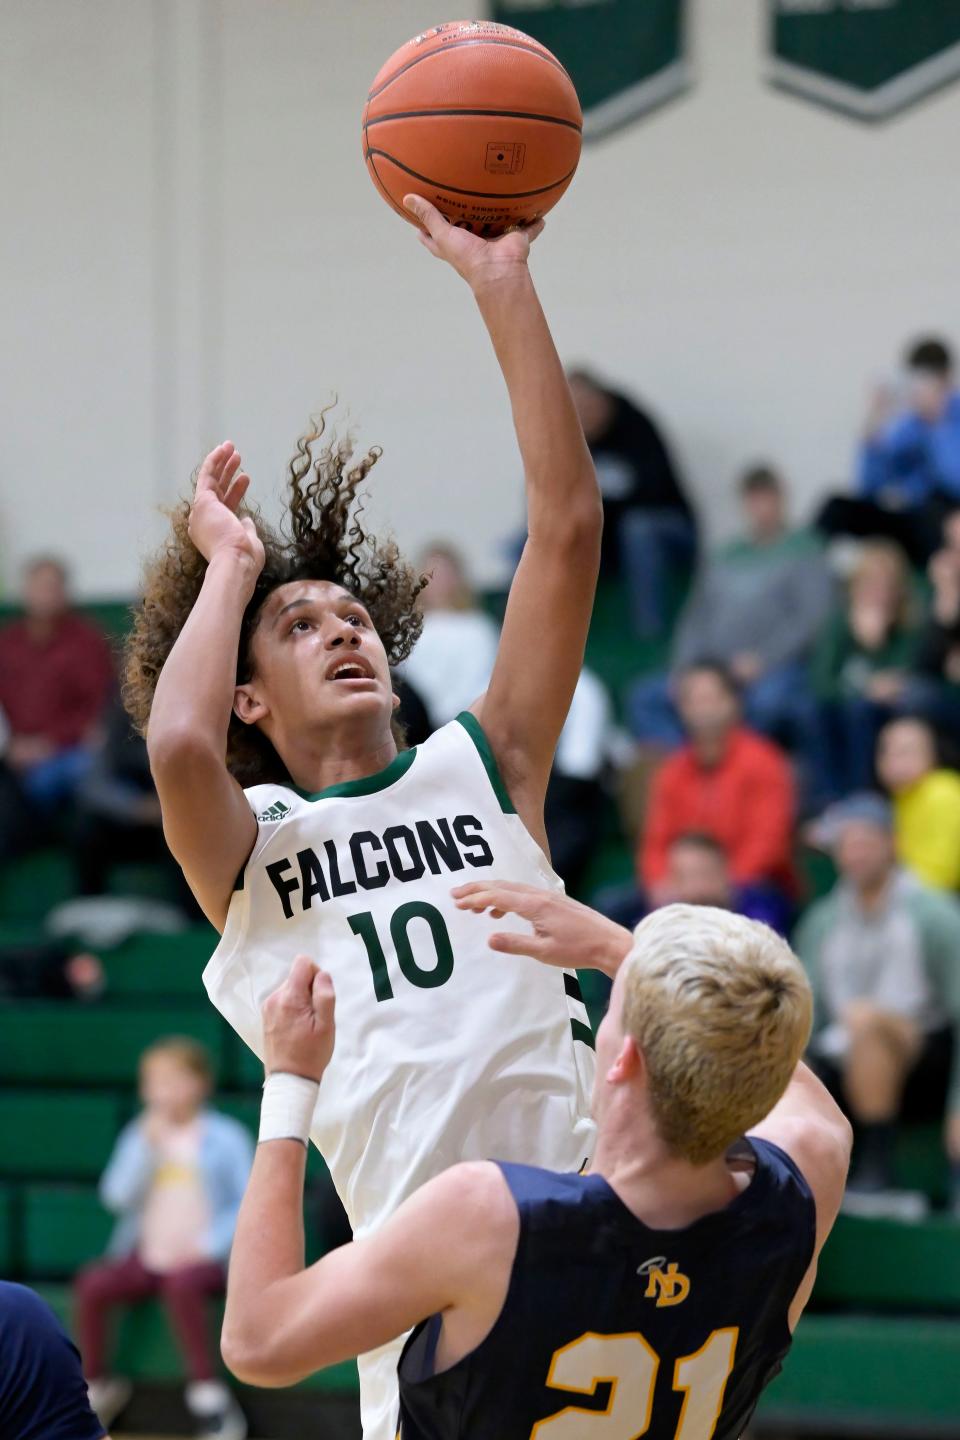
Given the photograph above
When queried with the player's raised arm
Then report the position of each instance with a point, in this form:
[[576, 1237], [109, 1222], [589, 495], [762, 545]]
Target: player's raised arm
[[811, 1128], [551, 599], [282, 1321], [207, 822]]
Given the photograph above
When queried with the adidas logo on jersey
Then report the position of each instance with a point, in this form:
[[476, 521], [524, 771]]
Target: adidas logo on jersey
[[276, 811], [665, 1283]]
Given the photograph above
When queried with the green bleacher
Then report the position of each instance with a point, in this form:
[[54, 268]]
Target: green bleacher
[[877, 1355]]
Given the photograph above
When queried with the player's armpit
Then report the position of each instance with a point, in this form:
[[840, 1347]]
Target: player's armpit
[[207, 821], [449, 1249]]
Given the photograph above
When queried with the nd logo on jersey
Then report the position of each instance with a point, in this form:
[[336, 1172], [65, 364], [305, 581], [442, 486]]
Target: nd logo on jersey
[[664, 1281]]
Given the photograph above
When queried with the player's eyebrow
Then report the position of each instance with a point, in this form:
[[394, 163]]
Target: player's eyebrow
[[292, 605]]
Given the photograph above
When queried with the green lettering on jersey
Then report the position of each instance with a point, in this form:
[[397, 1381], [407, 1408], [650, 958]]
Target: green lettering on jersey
[[364, 927]]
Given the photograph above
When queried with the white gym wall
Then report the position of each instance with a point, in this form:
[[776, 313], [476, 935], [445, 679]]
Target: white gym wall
[[191, 250]]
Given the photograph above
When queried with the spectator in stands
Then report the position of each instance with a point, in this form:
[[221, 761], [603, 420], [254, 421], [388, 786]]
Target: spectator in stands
[[756, 608], [575, 805], [649, 527], [909, 462], [55, 679], [936, 683], [698, 873], [118, 813], [926, 802], [881, 953], [43, 1395], [450, 668], [861, 664], [175, 1180], [451, 662], [726, 782]]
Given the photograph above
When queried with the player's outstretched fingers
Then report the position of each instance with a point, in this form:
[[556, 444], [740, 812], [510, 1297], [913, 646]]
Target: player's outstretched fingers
[[510, 942], [210, 472], [501, 897]]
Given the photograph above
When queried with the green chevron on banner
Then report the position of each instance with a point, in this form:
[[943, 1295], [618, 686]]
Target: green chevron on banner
[[868, 57], [625, 56]]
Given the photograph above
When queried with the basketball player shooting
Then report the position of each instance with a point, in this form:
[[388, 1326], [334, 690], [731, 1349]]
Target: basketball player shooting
[[259, 667], [655, 1296]]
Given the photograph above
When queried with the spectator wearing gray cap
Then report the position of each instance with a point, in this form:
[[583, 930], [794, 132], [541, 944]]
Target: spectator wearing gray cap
[[882, 952]]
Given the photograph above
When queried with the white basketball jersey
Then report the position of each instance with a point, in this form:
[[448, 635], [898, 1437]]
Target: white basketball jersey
[[445, 1050]]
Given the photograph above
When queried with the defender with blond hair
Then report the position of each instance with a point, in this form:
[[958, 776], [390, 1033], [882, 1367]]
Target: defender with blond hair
[[655, 1296]]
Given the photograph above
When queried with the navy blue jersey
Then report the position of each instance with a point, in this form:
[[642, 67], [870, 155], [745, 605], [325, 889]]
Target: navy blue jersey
[[611, 1330], [43, 1395]]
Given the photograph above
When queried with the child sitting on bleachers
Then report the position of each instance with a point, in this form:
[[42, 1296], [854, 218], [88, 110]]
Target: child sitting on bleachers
[[175, 1181]]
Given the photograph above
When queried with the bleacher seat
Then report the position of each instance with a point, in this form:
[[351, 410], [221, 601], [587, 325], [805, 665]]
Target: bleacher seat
[[868, 1376], [97, 1045], [62, 1228], [889, 1265], [164, 966], [56, 1135]]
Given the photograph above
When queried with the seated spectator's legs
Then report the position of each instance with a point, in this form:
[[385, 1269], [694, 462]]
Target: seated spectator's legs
[[848, 738], [14, 816], [651, 713], [54, 780], [782, 706], [97, 1290], [185, 1293], [883, 1047], [935, 700], [917, 531], [653, 544]]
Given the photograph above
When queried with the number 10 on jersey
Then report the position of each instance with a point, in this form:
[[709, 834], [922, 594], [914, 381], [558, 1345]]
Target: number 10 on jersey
[[426, 978]]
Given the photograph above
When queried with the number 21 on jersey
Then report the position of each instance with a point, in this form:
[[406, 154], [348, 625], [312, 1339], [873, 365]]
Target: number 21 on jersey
[[629, 1366]]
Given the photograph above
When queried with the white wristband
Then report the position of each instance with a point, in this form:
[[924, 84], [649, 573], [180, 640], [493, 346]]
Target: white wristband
[[286, 1110]]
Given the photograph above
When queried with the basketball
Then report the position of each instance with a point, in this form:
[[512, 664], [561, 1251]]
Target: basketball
[[479, 119]]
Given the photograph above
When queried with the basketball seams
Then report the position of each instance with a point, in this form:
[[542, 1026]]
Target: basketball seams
[[459, 45], [493, 114], [370, 153]]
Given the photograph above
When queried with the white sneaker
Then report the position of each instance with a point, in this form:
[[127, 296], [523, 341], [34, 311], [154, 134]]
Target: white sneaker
[[108, 1398], [218, 1415], [910, 1206]]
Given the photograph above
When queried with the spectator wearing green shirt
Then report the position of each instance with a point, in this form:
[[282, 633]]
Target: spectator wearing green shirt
[[882, 953], [861, 664], [757, 607]]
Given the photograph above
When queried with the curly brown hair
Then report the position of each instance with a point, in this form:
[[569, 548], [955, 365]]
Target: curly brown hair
[[321, 538]]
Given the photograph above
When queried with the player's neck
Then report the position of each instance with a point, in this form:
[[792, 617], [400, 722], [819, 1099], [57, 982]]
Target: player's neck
[[317, 762], [662, 1190]]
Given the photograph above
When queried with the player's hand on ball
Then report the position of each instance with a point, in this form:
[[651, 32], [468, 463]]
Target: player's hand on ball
[[215, 525], [564, 932], [298, 1022], [479, 262]]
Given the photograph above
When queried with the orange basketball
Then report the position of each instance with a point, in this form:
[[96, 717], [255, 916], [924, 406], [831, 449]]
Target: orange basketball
[[479, 119]]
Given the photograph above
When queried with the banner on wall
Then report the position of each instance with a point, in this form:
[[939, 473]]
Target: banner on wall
[[624, 56], [867, 57]]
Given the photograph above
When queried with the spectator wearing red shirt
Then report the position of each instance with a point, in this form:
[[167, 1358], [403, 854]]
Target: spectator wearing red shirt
[[56, 675], [726, 782]]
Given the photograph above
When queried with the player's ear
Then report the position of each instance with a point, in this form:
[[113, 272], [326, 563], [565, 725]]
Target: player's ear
[[628, 1064], [247, 706]]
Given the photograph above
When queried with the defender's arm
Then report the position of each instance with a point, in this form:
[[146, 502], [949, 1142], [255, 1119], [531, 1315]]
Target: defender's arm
[[811, 1128], [447, 1250]]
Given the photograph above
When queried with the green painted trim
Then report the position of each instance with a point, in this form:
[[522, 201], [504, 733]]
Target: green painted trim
[[583, 1032], [475, 730], [366, 784]]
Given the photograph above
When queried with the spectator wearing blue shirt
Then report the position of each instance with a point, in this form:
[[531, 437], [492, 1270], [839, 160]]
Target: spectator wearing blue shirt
[[909, 461], [43, 1395]]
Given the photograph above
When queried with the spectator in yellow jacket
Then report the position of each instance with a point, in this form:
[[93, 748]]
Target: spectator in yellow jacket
[[926, 802]]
